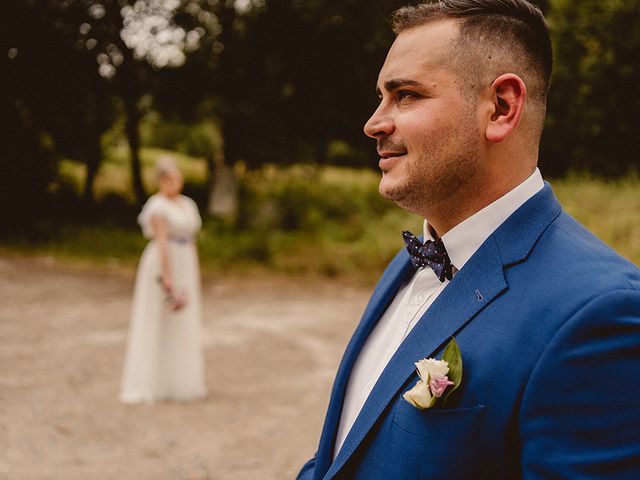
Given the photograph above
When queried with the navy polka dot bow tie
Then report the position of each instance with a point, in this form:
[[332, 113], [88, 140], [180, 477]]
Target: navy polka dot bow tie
[[430, 253]]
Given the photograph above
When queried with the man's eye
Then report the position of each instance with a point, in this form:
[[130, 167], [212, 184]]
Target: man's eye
[[403, 94]]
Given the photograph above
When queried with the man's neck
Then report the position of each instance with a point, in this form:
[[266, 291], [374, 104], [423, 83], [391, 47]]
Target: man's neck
[[470, 200]]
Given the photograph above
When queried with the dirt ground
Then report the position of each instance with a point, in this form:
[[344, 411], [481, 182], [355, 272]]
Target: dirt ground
[[272, 346]]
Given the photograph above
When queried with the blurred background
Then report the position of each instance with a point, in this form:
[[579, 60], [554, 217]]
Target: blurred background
[[263, 103]]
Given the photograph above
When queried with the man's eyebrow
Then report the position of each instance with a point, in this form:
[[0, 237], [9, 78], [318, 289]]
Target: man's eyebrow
[[396, 83]]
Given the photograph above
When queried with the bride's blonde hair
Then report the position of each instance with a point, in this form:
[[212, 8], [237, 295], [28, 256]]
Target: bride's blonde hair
[[165, 164]]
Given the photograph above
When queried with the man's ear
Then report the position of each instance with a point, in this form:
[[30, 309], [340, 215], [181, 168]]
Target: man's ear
[[508, 94]]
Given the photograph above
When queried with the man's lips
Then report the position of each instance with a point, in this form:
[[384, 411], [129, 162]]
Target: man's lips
[[387, 159], [386, 154]]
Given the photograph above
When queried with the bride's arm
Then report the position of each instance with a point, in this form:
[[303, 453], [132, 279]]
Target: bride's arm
[[160, 235]]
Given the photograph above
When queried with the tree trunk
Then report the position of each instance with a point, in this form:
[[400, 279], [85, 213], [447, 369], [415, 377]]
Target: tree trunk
[[132, 128], [98, 119], [94, 159], [223, 197]]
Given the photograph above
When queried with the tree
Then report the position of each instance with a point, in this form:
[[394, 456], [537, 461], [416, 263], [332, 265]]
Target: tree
[[35, 72], [68, 62], [593, 115], [142, 38], [295, 76]]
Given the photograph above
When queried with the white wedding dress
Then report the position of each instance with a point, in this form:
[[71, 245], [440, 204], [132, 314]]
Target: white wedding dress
[[164, 359]]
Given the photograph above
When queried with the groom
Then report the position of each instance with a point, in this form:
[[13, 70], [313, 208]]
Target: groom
[[546, 317]]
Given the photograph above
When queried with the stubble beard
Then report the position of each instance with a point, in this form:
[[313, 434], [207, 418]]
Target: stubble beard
[[438, 178]]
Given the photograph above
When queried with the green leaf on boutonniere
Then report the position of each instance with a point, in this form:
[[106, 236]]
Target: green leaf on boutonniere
[[453, 357]]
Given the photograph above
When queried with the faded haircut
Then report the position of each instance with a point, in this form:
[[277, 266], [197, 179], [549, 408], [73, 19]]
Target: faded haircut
[[496, 37]]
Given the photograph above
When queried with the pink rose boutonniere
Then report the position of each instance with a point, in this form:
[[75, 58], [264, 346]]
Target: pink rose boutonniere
[[438, 378]]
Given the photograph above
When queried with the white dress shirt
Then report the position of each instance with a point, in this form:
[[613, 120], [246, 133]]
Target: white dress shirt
[[416, 296]]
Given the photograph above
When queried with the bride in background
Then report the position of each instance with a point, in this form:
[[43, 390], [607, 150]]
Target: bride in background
[[164, 359]]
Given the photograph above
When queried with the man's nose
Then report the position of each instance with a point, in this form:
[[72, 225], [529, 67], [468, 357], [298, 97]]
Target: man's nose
[[380, 123]]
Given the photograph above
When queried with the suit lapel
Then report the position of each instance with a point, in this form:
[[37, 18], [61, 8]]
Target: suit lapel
[[475, 286], [472, 288], [391, 281]]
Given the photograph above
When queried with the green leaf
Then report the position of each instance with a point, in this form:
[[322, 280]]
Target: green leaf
[[453, 357]]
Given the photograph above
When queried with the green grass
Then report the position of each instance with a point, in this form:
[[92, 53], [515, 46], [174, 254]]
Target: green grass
[[114, 176], [306, 220], [610, 209], [100, 245]]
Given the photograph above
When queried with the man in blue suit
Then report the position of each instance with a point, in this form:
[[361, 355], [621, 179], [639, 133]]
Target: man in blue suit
[[546, 317]]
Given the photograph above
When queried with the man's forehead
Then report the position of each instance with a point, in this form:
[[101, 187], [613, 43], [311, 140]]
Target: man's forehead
[[425, 47], [432, 33]]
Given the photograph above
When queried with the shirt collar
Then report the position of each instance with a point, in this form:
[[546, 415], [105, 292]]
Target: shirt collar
[[464, 239]]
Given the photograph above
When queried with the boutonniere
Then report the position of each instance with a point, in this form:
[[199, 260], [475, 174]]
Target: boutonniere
[[438, 378]]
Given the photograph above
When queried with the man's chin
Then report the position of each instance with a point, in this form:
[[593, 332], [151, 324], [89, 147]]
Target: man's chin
[[398, 195], [390, 191]]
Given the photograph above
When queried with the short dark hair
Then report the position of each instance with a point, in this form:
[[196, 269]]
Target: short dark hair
[[515, 28]]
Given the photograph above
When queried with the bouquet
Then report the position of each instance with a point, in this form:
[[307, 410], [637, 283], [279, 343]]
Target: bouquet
[[175, 299]]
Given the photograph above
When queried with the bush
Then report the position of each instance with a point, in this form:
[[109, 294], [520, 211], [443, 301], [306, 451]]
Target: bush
[[307, 220], [196, 139]]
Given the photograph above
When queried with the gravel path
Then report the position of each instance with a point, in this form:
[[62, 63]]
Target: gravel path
[[272, 346]]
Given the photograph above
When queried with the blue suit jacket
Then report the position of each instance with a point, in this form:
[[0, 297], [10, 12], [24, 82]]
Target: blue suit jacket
[[548, 322]]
